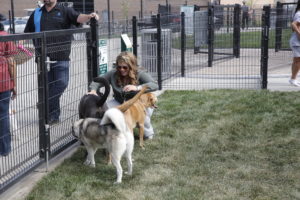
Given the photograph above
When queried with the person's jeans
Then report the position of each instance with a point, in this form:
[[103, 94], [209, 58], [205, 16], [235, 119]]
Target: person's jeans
[[5, 137], [58, 79], [245, 20]]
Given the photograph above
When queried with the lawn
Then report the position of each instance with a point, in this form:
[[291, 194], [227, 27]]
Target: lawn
[[251, 39], [215, 144]]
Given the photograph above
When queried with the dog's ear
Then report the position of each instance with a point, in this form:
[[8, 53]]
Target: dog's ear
[[76, 127], [80, 121]]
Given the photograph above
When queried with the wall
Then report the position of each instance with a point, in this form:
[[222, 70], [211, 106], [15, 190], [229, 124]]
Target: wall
[[121, 8]]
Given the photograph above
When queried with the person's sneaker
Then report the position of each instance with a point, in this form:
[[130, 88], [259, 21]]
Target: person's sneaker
[[294, 82]]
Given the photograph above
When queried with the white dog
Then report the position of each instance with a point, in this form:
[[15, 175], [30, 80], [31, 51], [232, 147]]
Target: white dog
[[112, 133]]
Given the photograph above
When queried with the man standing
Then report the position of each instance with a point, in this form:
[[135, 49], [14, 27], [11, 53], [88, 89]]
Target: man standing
[[245, 15], [53, 16]]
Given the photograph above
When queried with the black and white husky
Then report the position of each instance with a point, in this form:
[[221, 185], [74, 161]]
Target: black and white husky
[[111, 133]]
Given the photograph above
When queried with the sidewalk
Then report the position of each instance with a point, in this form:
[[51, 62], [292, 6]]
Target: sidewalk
[[281, 83]]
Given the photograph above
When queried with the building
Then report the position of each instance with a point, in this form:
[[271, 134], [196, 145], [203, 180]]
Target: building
[[121, 9]]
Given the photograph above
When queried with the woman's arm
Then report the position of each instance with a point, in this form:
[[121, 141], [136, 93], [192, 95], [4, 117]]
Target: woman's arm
[[10, 51], [12, 68], [146, 79], [296, 27]]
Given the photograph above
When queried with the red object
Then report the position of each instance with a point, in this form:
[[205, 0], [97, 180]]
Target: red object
[[26, 51], [6, 49]]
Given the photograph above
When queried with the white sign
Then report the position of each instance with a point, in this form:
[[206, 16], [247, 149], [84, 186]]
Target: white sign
[[103, 56], [189, 19]]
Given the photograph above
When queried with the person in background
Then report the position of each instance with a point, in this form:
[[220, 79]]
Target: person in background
[[126, 78], [7, 90], [53, 16], [295, 46], [245, 15]]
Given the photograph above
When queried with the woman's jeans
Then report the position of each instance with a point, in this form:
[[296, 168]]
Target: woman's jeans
[[5, 137], [58, 79]]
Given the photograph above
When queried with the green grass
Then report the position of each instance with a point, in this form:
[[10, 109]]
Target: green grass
[[216, 144], [247, 40]]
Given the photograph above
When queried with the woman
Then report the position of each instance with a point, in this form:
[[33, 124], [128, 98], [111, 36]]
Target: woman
[[7, 91], [125, 79], [295, 46]]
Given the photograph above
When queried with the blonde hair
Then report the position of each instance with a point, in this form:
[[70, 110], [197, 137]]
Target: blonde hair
[[131, 61]]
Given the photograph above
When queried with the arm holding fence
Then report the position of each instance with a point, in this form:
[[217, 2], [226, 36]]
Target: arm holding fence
[[82, 18]]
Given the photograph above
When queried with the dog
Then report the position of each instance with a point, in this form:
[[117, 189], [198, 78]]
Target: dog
[[91, 105], [135, 115], [111, 133]]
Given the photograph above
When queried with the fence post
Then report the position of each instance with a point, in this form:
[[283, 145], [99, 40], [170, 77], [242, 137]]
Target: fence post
[[183, 42], [210, 35], [159, 53], [94, 44], [43, 97], [264, 46], [108, 18], [227, 19], [278, 24], [236, 30], [134, 35], [89, 57]]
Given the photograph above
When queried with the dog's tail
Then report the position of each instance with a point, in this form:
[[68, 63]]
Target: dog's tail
[[115, 116], [124, 106], [103, 98]]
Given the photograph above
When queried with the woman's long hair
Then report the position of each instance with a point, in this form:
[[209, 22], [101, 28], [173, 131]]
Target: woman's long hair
[[131, 61], [298, 6]]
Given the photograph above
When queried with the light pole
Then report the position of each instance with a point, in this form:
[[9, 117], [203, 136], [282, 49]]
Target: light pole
[[12, 15], [142, 10], [83, 6], [108, 16]]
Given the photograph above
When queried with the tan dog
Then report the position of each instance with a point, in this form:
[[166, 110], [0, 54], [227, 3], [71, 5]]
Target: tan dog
[[135, 115]]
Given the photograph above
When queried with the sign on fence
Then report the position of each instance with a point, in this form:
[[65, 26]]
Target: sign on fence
[[126, 44], [102, 56], [189, 19]]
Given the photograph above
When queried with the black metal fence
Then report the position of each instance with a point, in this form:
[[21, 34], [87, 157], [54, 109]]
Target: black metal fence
[[178, 54], [33, 140], [281, 23]]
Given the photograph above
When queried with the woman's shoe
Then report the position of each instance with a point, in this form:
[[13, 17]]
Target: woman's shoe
[[294, 82]]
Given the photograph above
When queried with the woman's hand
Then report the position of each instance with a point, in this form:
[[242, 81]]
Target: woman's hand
[[14, 93], [93, 92], [128, 88]]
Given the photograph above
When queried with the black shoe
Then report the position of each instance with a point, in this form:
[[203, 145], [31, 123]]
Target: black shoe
[[53, 121], [5, 154]]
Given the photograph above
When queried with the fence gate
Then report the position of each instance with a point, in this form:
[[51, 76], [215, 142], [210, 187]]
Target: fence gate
[[33, 140], [231, 57], [283, 14]]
